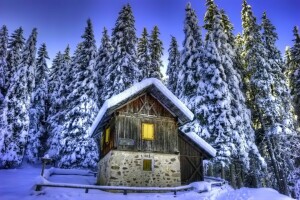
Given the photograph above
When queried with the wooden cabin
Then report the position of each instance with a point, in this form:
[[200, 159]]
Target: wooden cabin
[[140, 143]]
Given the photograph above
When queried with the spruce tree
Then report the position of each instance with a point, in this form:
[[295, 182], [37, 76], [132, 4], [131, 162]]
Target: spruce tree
[[78, 149], [293, 60], [3, 54], [156, 51], [17, 102], [173, 65], [102, 62], [123, 70], [223, 118], [15, 46], [144, 61], [37, 135], [190, 58], [58, 91], [295, 72], [272, 118]]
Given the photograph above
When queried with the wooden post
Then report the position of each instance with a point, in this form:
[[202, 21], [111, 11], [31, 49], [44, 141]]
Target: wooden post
[[43, 167], [45, 160]]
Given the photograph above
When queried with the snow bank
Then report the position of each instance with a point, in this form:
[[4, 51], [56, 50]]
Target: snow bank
[[201, 186], [253, 193]]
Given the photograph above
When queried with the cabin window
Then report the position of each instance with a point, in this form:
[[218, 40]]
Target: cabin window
[[147, 131], [147, 165], [107, 135]]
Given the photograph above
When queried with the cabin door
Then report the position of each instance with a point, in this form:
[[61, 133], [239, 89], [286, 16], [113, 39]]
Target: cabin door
[[191, 169]]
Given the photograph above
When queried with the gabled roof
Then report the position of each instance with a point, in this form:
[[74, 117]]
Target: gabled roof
[[167, 99], [156, 89]]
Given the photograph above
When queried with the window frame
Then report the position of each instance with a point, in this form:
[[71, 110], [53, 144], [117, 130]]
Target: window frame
[[151, 165], [146, 134]]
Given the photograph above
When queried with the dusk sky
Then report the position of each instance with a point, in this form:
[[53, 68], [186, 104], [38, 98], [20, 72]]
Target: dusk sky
[[62, 22]]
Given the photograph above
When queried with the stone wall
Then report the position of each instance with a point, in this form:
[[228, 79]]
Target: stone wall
[[124, 168]]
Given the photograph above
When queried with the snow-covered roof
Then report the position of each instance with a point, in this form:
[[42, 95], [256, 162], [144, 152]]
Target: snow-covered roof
[[157, 89], [197, 140], [151, 85]]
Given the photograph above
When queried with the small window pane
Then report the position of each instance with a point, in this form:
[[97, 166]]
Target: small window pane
[[147, 165], [147, 131], [107, 135]]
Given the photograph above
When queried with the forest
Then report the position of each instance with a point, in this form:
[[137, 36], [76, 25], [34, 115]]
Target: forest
[[244, 93]]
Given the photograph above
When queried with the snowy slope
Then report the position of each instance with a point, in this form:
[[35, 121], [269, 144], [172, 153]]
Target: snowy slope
[[18, 184]]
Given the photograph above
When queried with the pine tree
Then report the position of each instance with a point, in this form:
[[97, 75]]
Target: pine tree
[[190, 58], [15, 46], [293, 60], [102, 62], [123, 71], [295, 72], [58, 91], [156, 51], [78, 149], [272, 118], [3, 54], [222, 116], [37, 134], [144, 61], [17, 102], [173, 65]]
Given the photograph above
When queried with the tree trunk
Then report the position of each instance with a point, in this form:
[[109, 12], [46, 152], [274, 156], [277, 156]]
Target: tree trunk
[[270, 149], [223, 172], [239, 172], [232, 175]]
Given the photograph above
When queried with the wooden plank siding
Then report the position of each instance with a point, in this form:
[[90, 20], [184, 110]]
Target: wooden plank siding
[[191, 161], [126, 123]]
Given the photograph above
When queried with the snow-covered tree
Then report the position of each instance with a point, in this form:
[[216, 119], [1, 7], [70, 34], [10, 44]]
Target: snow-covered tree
[[3, 54], [37, 135], [190, 58], [15, 46], [156, 51], [102, 62], [173, 65], [295, 72], [144, 61], [17, 102], [123, 71], [221, 109], [272, 120], [58, 91], [78, 149]]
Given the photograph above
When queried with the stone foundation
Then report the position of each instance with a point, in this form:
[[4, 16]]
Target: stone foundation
[[124, 168]]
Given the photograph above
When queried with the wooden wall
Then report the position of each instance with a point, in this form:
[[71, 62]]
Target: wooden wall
[[126, 127], [146, 109]]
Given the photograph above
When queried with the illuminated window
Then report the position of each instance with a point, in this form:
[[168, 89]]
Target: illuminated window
[[107, 135], [147, 131], [147, 165]]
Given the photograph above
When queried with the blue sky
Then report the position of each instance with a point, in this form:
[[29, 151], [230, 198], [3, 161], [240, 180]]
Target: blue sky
[[62, 22]]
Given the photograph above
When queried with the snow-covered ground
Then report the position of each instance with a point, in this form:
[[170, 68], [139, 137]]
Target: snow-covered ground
[[19, 183]]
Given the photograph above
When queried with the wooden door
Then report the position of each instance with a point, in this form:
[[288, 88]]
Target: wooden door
[[191, 169]]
